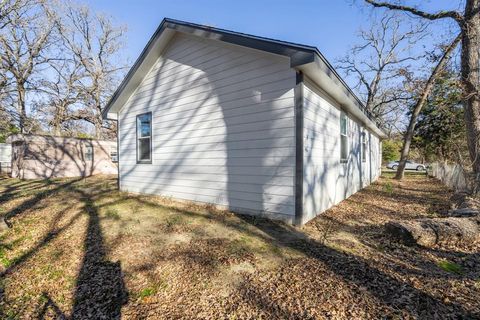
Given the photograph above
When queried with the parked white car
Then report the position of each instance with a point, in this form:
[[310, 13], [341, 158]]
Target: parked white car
[[410, 165]]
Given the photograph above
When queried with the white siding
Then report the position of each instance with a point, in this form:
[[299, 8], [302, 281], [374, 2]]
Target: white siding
[[327, 181], [223, 128], [5, 152], [5, 157]]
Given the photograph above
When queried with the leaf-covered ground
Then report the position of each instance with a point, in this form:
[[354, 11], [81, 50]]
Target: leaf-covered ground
[[80, 249]]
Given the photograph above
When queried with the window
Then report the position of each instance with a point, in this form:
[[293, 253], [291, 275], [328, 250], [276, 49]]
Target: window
[[343, 137], [364, 147], [144, 138], [88, 153], [113, 154]]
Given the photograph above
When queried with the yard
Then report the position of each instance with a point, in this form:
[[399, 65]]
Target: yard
[[81, 249]]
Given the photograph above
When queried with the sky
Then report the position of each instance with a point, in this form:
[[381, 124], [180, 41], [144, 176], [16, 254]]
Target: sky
[[330, 25]]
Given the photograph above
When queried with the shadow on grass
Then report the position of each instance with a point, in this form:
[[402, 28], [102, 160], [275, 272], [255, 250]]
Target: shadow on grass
[[100, 290], [39, 196], [50, 305]]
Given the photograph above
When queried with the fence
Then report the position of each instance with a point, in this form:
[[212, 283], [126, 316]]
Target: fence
[[5, 167], [5, 157], [452, 175]]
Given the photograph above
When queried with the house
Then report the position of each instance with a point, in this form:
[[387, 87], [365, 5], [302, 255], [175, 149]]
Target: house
[[255, 125], [5, 157], [41, 156]]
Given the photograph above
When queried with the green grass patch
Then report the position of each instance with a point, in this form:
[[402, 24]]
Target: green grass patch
[[388, 187], [174, 220], [52, 272], [3, 258], [112, 213], [147, 292], [449, 266]]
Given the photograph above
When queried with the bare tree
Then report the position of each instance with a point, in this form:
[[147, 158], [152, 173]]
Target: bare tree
[[468, 22], [95, 43], [7, 7], [63, 94], [379, 64], [24, 44], [422, 99]]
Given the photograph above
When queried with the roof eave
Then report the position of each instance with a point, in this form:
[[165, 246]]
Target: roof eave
[[146, 52], [325, 77]]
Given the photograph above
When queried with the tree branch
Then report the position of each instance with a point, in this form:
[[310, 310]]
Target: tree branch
[[430, 16]]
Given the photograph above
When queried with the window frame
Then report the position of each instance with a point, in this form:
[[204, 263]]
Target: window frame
[[343, 115], [85, 152], [137, 138], [364, 146], [114, 150]]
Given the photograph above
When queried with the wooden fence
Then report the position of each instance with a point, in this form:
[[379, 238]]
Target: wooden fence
[[452, 175]]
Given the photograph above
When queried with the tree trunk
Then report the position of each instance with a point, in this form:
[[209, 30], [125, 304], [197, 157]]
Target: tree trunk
[[98, 125], [470, 80], [56, 125], [407, 140], [430, 232], [21, 109], [59, 118]]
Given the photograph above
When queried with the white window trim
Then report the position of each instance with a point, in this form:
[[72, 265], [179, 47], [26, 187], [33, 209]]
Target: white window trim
[[149, 161], [87, 147], [364, 146], [344, 115]]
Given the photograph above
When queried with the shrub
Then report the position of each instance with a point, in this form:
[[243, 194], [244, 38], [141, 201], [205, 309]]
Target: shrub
[[388, 188]]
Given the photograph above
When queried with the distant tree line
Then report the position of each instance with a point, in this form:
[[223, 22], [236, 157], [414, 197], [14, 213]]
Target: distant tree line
[[59, 64]]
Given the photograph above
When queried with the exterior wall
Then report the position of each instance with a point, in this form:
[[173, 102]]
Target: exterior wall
[[40, 157], [327, 181], [222, 126], [5, 157]]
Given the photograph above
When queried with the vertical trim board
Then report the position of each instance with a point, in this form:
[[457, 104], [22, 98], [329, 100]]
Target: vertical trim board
[[299, 94]]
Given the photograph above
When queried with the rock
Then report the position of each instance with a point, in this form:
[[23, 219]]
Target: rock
[[429, 232]]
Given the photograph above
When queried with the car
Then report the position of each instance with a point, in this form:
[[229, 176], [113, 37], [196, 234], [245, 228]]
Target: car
[[410, 165]]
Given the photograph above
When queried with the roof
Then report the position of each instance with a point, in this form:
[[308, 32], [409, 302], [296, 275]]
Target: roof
[[307, 59]]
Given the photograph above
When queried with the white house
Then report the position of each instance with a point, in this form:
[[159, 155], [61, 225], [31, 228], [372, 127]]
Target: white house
[[256, 125]]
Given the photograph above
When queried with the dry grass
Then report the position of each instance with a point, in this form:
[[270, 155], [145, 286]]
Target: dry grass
[[81, 249]]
